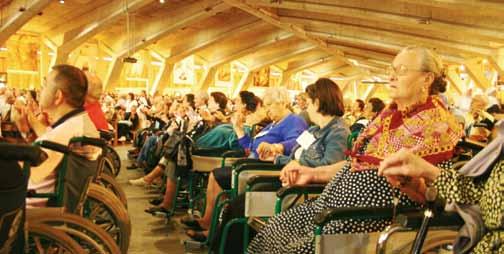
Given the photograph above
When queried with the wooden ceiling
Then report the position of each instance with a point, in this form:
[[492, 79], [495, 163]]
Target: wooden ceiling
[[327, 37]]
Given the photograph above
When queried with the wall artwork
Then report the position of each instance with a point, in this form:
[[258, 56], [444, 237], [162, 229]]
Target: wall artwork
[[261, 78]]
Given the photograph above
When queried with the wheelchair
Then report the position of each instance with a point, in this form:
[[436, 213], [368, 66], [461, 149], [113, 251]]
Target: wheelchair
[[41, 237], [77, 193], [443, 225]]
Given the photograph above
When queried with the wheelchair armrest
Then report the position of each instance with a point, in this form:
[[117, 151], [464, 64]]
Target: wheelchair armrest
[[53, 146], [89, 141], [233, 154], [300, 189], [330, 214], [17, 152], [215, 152], [250, 160], [471, 144], [258, 179], [257, 166], [413, 219]]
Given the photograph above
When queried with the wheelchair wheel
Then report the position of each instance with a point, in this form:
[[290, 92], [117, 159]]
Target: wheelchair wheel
[[114, 158], [108, 167], [106, 211], [45, 239], [437, 241], [111, 184], [89, 236]]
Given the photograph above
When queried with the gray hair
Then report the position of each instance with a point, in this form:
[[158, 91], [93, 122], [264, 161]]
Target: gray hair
[[277, 94], [431, 62]]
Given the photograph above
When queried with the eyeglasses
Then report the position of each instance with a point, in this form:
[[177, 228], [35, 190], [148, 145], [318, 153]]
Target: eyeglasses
[[400, 70]]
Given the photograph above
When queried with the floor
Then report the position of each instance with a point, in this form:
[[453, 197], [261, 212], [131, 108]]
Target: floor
[[149, 234]]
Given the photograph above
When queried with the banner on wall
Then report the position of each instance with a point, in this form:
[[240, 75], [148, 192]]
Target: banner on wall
[[261, 78]]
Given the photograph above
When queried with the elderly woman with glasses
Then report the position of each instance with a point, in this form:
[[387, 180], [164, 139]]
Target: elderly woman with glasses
[[415, 120]]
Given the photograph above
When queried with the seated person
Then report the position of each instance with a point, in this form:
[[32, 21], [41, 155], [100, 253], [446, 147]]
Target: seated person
[[130, 123], [481, 126], [246, 104], [275, 139], [371, 110], [223, 136], [62, 99], [92, 104], [323, 144], [471, 190], [415, 120], [216, 112]]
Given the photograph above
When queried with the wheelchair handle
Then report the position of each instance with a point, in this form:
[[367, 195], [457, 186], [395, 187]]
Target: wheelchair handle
[[53, 146], [89, 141], [28, 153]]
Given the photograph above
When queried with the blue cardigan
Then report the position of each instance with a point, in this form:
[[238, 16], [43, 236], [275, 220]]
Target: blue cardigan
[[285, 132]]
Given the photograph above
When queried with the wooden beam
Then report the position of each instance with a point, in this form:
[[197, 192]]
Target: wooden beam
[[273, 19], [202, 40], [159, 28], [18, 19], [471, 6], [456, 82], [241, 52], [337, 69], [370, 91], [436, 26], [377, 34], [206, 79], [241, 84], [307, 65], [473, 67], [282, 57], [164, 79], [113, 73], [497, 61], [95, 23]]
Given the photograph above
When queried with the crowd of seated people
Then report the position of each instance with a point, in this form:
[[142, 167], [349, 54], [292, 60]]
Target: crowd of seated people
[[414, 134]]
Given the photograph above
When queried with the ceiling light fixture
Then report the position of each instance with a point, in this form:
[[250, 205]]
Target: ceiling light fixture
[[61, 1], [161, 1]]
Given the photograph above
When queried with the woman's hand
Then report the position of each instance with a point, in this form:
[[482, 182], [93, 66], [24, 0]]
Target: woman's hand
[[268, 151], [284, 173], [296, 174], [409, 173], [405, 163]]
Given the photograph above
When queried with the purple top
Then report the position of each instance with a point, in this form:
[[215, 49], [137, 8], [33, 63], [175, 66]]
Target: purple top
[[285, 132]]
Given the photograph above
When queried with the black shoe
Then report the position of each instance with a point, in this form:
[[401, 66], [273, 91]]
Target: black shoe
[[196, 235], [158, 210], [156, 201], [191, 223], [132, 166]]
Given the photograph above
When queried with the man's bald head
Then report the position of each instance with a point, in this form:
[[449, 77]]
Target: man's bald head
[[95, 86]]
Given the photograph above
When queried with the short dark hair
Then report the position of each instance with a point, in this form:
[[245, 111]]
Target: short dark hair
[[361, 104], [329, 96], [249, 99], [190, 99], [376, 104], [73, 84], [220, 98]]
